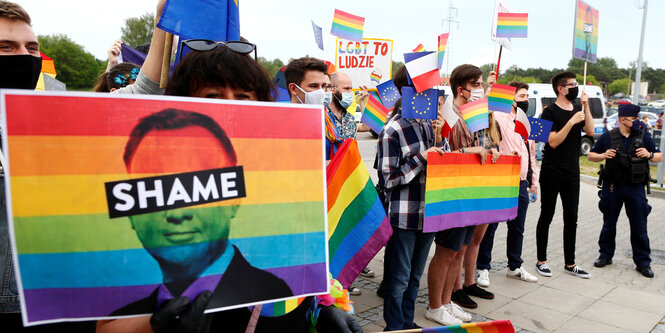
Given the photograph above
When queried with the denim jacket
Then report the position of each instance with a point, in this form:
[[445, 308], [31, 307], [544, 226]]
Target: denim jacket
[[8, 292]]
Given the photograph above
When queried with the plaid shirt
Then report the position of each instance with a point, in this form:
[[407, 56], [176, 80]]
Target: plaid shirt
[[402, 170]]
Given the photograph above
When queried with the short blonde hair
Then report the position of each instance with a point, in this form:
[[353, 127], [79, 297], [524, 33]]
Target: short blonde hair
[[14, 12]]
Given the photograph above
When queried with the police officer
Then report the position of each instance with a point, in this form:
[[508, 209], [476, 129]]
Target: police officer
[[627, 150]]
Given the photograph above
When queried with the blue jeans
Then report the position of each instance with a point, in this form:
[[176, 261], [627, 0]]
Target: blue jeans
[[8, 291], [406, 254], [513, 240]]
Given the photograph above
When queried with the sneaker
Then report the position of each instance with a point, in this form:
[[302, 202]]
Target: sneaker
[[382, 288], [368, 273], [458, 312], [442, 316], [543, 269], [521, 274], [354, 291], [577, 271], [483, 278], [462, 299], [474, 290]]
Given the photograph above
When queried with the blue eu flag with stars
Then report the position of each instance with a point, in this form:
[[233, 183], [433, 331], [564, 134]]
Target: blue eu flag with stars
[[540, 129], [388, 93], [423, 105]]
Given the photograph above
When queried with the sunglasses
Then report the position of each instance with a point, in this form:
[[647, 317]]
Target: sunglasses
[[207, 45]]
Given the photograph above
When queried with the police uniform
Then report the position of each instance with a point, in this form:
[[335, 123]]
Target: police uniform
[[623, 181]]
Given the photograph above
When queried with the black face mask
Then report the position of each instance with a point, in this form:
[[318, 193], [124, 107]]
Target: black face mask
[[524, 105], [20, 71], [572, 93]]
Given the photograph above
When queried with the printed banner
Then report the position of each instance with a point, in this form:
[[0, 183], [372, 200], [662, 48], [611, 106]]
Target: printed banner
[[368, 63], [461, 192], [121, 203], [585, 40]]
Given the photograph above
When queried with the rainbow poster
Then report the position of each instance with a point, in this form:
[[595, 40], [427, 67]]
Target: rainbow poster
[[512, 25], [497, 326], [585, 39], [348, 26], [475, 114], [501, 98], [460, 191], [121, 203]]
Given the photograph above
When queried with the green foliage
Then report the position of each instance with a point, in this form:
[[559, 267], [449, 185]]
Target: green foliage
[[589, 79], [605, 70], [76, 67], [618, 86], [271, 66], [513, 73], [138, 30], [396, 66], [503, 79]]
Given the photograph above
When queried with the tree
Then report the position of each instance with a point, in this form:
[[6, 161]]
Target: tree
[[589, 79], [618, 86], [76, 67], [138, 30], [396, 66], [271, 66]]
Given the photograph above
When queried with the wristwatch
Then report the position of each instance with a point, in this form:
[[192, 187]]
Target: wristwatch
[[650, 157]]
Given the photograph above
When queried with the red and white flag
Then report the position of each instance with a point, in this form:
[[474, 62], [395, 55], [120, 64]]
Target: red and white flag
[[522, 124], [449, 116], [424, 71]]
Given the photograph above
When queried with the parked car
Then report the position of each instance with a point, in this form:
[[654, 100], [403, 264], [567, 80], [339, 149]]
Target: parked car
[[623, 101], [659, 103]]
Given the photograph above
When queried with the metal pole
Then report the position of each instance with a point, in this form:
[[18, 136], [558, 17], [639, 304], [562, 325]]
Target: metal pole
[[638, 74], [661, 165]]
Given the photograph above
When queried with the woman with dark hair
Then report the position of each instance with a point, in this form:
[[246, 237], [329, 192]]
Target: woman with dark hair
[[119, 76]]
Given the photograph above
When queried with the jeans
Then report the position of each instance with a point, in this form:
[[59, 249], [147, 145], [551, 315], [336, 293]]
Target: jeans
[[406, 254], [515, 235], [8, 291], [568, 187]]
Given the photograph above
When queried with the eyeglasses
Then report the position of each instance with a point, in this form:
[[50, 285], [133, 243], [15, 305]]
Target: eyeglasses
[[572, 84], [329, 87], [207, 45]]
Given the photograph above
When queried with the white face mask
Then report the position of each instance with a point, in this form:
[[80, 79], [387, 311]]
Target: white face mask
[[476, 94], [347, 99], [315, 97], [328, 98]]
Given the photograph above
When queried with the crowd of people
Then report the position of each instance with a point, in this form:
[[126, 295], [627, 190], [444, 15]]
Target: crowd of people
[[460, 267]]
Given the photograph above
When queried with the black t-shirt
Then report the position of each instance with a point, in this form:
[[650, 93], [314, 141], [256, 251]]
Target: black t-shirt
[[565, 157]]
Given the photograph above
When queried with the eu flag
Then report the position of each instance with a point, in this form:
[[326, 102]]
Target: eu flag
[[388, 93], [540, 129], [318, 35], [217, 20], [423, 105]]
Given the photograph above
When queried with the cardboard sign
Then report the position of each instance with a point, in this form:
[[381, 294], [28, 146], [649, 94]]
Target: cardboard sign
[[368, 63]]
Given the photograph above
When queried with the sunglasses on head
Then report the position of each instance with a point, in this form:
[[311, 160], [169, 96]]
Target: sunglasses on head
[[207, 45]]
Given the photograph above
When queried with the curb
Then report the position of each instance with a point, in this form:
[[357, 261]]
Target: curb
[[593, 180]]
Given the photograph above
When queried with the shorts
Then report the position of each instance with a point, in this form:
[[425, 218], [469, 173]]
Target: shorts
[[453, 239]]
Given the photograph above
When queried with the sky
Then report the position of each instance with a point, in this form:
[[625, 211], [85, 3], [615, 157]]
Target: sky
[[282, 28]]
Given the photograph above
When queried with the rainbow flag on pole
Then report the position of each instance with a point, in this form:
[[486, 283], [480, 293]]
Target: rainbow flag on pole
[[499, 326], [476, 115], [375, 114], [348, 26], [357, 222], [443, 42], [501, 98], [461, 192], [419, 48], [512, 25]]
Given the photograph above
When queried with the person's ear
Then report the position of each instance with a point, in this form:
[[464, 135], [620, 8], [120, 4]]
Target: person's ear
[[113, 89], [293, 89]]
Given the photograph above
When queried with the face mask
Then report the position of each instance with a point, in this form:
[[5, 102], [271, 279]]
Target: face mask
[[327, 98], [20, 71], [315, 97], [347, 99], [476, 94], [637, 126], [524, 105], [572, 93]]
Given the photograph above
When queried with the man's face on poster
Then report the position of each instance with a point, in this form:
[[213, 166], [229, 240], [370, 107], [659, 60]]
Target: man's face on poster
[[187, 234]]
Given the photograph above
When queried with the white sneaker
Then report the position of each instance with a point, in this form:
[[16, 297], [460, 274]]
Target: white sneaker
[[458, 312], [521, 274], [442, 316], [483, 279]]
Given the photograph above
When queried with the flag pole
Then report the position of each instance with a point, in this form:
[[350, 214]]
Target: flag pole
[[584, 82], [166, 60], [498, 62]]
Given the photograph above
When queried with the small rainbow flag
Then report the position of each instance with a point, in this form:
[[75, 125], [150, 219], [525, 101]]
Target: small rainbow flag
[[476, 115], [443, 42], [512, 25], [460, 191], [419, 48], [375, 77], [375, 114], [501, 98], [357, 222], [499, 326], [348, 26]]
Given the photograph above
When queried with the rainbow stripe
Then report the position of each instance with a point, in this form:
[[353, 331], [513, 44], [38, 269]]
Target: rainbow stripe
[[499, 326], [75, 262], [462, 192], [281, 308], [476, 115], [375, 77], [501, 98], [585, 39], [419, 48], [357, 222], [348, 26], [375, 114], [512, 25], [443, 42]]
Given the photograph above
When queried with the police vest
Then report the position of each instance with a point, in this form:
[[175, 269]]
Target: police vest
[[626, 168]]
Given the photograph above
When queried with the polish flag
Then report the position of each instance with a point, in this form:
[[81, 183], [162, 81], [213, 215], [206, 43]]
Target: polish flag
[[449, 116], [522, 124], [424, 71]]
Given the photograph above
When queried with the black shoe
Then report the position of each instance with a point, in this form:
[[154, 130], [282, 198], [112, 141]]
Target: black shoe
[[645, 270], [602, 262], [462, 299], [381, 290], [474, 290]]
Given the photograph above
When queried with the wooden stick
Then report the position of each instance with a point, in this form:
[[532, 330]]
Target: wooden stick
[[166, 60], [498, 62], [584, 82]]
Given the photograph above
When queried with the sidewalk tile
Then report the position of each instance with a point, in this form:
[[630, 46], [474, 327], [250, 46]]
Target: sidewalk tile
[[529, 317], [621, 316], [500, 284], [557, 300], [637, 299], [576, 324]]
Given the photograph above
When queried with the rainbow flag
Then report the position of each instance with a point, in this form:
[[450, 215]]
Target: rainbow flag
[[501, 98], [348, 26], [375, 77], [585, 32], [499, 326], [443, 42], [419, 48], [76, 262], [475, 115], [512, 25], [357, 222], [280, 308], [460, 191], [375, 114]]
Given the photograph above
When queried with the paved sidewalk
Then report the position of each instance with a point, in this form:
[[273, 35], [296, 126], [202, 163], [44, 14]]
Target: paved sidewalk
[[615, 299]]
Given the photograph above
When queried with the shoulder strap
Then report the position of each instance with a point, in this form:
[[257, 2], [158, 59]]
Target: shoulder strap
[[529, 174], [615, 140]]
